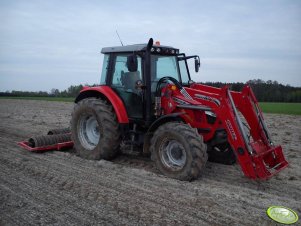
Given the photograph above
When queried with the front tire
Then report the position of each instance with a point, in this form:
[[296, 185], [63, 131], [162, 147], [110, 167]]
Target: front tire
[[178, 151], [95, 131]]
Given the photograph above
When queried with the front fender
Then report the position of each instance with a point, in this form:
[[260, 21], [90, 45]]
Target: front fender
[[105, 92]]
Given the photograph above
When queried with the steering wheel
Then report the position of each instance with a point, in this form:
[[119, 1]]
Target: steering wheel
[[164, 79]]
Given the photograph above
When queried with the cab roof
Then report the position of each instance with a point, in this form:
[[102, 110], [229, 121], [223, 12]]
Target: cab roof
[[130, 48]]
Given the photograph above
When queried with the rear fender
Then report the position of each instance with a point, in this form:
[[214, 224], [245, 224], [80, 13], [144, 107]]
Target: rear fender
[[106, 93]]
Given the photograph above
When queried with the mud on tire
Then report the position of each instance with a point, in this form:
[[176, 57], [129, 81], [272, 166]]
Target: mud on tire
[[95, 131], [178, 151]]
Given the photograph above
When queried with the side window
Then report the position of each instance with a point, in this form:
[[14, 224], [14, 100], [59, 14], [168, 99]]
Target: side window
[[122, 77], [120, 68], [184, 72], [104, 70]]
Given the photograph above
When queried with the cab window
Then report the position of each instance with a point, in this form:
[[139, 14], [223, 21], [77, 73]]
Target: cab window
[[104, 70], [162, 66], [122, 77], [184, 72]]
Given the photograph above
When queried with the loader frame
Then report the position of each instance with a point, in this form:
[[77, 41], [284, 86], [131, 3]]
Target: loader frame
[[258, 157]]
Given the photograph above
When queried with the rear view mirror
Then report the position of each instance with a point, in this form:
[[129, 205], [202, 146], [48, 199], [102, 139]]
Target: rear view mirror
[[197, 64], [132, 63]]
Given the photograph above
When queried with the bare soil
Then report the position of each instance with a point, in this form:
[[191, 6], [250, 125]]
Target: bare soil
[[59, 188]]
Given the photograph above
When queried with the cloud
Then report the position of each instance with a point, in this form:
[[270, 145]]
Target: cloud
[[61, 40]]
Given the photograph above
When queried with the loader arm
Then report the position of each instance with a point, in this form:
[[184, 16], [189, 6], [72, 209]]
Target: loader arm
[[255, 151]]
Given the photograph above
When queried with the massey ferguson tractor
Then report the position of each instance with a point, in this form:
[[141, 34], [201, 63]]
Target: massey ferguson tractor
[[147, 101]]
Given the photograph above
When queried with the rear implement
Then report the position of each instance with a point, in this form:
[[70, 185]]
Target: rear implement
[[56, 139]]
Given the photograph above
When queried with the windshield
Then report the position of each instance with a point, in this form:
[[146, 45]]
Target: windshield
[[163, 66]]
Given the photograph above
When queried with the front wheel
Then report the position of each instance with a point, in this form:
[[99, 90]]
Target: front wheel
[[95, 131], [178, 151]]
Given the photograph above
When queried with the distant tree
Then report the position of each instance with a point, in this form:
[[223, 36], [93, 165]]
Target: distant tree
[[269, 91], [73, 91], [55, 92]]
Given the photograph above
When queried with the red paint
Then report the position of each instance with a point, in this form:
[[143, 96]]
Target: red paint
[[114, 100], [58, 146], [266, 159]]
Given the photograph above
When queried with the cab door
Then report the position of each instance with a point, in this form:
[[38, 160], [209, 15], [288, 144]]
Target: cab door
[[124, 84]]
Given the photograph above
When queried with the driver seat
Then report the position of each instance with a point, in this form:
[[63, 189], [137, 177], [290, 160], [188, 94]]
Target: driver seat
[[129, 80]]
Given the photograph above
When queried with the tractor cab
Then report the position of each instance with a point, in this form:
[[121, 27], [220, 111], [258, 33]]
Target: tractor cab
[[133, 72]]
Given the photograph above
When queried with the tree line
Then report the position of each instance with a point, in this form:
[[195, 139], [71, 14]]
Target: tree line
[[71, 91], [265, 91]]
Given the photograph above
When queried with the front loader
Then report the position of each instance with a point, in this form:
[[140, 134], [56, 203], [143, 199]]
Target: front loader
[[147, 102]]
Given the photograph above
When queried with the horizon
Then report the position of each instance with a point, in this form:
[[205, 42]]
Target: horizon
[[46, 45], [49, 91]]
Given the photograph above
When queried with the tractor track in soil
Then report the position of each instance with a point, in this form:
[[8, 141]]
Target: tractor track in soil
[[59, 188]]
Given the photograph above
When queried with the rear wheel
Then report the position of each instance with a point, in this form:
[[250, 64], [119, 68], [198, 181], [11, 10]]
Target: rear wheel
[[95, 131], [178, 151]]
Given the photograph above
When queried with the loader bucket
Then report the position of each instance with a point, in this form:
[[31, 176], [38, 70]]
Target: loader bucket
[[267, 162]]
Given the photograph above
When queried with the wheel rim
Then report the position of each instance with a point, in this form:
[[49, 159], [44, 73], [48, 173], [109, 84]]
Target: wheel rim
[[89, 131], [172, 154]]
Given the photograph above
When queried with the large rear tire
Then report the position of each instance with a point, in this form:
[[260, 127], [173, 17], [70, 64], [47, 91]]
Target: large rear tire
[[178, 151], [95, 131]]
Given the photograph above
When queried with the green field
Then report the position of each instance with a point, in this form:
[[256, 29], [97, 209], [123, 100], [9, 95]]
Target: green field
[[62, 99], [266, 107], [281, 108]]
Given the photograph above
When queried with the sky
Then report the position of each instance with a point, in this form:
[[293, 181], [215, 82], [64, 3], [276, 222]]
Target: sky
[[55, 44]]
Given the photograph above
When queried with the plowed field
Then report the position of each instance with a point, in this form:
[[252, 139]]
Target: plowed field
[[59, 188]]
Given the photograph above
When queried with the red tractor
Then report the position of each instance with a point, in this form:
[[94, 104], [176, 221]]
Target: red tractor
[[147, 100]]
